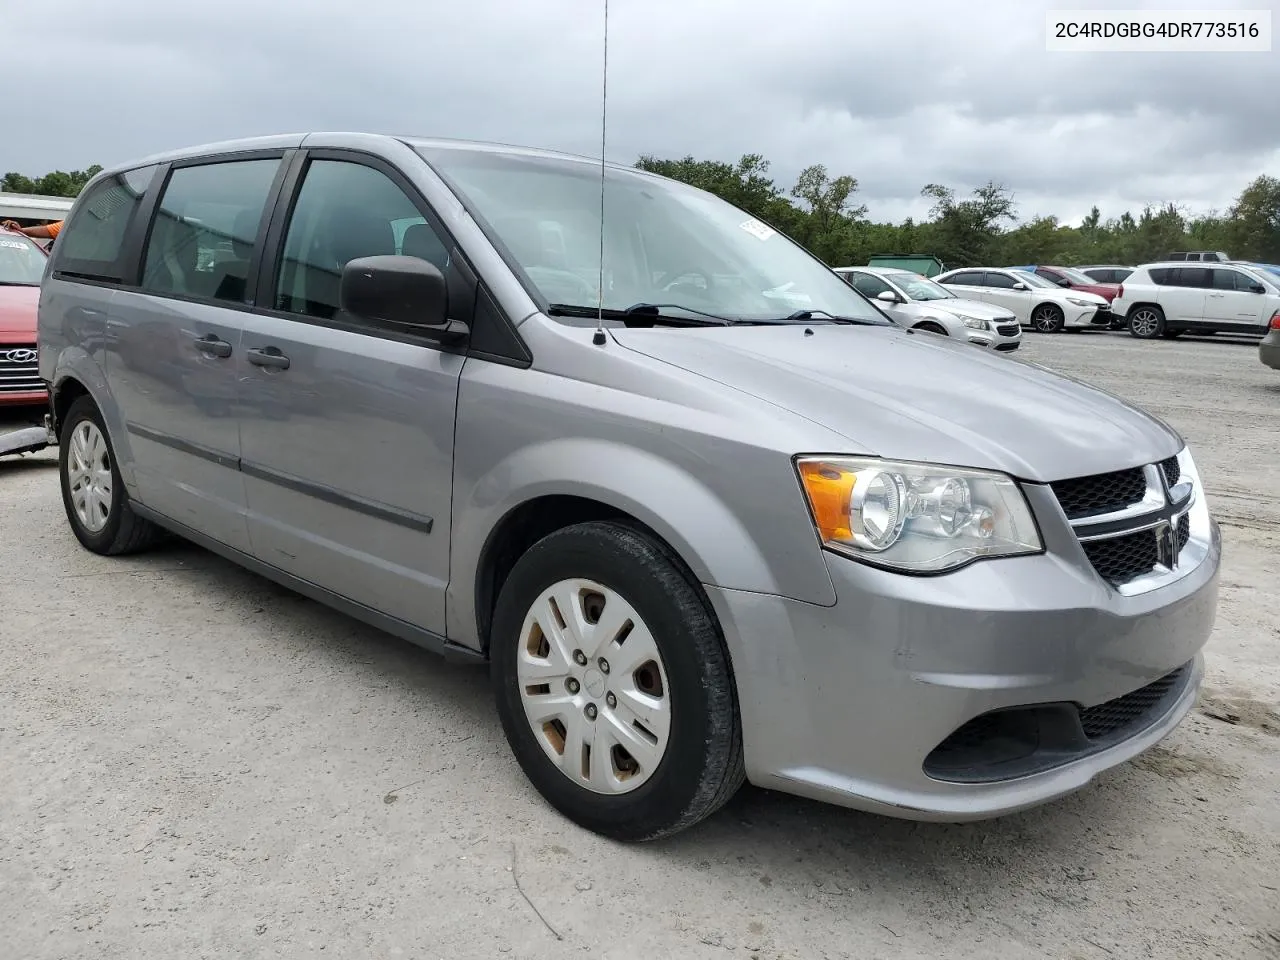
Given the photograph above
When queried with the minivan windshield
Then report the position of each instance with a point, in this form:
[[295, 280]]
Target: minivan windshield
[[21, 261], [665, 243]]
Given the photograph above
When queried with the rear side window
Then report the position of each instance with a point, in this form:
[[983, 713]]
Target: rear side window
[[205, 230], [92, 244], [1197, 277], [970, 278], [999, 280]]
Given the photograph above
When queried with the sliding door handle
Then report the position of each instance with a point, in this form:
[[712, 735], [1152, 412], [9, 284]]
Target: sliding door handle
[[268, 357], [211, 344]]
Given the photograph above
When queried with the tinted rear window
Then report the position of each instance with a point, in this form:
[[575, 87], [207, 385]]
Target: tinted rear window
[[92, 243]]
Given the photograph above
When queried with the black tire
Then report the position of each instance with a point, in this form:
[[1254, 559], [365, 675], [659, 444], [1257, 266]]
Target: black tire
[[1048, 318], [1146, 321], [703, 764], [124, 531], [930, 327]]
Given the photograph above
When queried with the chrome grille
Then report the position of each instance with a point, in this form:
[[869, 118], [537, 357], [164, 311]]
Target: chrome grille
[[19, 369], [1132, 524]]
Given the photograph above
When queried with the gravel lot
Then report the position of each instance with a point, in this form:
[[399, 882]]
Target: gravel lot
[[199, 764]]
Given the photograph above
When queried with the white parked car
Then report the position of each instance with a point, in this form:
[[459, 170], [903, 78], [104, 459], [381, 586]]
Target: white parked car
[[1172, 298], [1037, 303], [918, 303]]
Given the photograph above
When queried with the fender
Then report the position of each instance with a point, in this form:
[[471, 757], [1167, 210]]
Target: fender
[[704, 530]]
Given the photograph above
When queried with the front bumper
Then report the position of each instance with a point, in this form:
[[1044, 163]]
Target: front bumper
[[1269, 350], [846, 703], [1083, 316], [1001, 337]]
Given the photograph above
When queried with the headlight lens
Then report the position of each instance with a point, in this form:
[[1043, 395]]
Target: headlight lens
[[1081, 303], [973, 324], [916, 517]]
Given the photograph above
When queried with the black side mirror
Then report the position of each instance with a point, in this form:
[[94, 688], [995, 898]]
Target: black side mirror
[[1063, 282], [1257, 288], [403, 292]]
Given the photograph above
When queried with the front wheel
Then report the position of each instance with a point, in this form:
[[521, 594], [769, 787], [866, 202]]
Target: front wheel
[[1146, 322], [613, 684], [1048, 318]]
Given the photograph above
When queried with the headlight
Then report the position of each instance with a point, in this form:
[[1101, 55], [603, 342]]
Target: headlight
[[916, 517], [973, 324], [1082, 303]]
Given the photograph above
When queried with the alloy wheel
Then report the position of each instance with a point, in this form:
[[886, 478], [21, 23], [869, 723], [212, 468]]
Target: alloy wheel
[[1144, 322]]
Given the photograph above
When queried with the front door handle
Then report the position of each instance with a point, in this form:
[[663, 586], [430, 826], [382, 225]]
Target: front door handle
[[268, 357], [211, 344]]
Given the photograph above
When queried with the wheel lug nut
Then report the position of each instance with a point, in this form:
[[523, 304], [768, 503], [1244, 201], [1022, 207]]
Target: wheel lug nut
[[572, 684], [579, 658], [604, 665], [611, 700], [591, 711]]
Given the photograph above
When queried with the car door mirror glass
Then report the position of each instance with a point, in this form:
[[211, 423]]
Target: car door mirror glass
[[408, 293]]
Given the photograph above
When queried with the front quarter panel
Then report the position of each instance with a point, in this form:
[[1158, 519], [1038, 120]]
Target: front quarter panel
[[689, 458]]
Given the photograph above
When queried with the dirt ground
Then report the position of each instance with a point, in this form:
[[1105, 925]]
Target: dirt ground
[[195, 763]]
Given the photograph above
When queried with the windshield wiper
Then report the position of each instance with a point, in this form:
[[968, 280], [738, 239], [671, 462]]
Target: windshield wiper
[[800, 316], [638, 311]]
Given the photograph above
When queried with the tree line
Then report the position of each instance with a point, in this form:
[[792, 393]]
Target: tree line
[[822, 212]]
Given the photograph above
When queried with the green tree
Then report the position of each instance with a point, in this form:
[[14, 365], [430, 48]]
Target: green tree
[[58, 183]]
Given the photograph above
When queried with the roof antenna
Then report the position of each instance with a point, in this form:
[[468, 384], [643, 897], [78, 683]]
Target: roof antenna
[[599, 338]]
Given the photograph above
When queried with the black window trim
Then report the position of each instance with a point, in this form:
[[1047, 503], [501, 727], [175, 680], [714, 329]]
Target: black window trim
[[1000, 273], [462, 276], [955, 278]]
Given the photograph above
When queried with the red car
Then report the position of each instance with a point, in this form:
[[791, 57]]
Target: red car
[[22, 264], [1075, 280]]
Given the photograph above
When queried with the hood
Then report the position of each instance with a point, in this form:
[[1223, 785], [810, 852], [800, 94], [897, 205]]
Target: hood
[[961, 307], [1107, 291], [897, 394], [18, 313]]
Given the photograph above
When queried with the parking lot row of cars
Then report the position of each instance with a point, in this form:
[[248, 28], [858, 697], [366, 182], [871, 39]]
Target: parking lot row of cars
[[989, 306]]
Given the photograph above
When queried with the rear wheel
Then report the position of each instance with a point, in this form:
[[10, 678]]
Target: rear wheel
[[1146, 322], [613, 684], [93, 494], [1048, 318]]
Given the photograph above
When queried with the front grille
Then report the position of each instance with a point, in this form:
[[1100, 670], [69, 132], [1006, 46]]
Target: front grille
[[19, 376], [1172, 470], [1121, 559], [1100, 493], [1107, 719], [1008, 331]]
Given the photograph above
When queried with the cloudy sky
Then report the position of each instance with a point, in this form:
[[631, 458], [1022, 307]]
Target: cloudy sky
[[895, 94]]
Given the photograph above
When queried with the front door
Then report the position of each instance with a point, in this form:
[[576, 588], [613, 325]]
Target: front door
[[175, 340], [347, 436], [1231, 300], [1001, 290]]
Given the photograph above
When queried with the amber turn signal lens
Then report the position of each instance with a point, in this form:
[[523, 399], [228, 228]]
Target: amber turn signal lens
[[829, 489]]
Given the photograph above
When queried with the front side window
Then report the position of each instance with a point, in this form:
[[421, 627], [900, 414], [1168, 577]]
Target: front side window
[[91, 245], [664, 242], [1002, 281], [206, 229], [346, 211], [21, 261], [869, 286]]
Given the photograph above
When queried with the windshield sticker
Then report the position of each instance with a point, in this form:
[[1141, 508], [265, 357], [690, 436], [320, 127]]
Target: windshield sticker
[[759, 230]]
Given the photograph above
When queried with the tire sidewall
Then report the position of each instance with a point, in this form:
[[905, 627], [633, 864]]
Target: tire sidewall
[[84, 410], [638, 572]]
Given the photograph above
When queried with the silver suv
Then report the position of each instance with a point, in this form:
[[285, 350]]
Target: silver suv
[[706, 514]]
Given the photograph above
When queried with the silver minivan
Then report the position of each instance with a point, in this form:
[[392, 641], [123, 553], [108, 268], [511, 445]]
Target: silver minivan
[[705, 513]]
